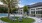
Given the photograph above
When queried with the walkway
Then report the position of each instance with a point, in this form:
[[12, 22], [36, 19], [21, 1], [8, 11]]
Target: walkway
[[37, 20], [2, 21]]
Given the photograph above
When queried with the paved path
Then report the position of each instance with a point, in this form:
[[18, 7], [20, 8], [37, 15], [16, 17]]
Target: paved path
[[2, 22], [37, 20]]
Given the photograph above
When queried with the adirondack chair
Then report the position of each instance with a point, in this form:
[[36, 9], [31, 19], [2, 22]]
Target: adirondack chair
[[20, 19], [13, 18]]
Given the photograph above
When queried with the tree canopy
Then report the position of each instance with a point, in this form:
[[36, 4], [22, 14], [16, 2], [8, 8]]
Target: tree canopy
[[25, 8], [9, 3]]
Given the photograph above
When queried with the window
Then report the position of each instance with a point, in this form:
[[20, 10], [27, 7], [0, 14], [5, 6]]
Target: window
[[32, 12], [32, 9], [38, 8], [38, 12], [21, 12]]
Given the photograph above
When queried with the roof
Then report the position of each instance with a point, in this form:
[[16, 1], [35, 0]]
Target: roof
[[35, 5]]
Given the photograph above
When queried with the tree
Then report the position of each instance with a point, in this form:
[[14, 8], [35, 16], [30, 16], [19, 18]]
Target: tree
[[25, 8], [8, 2], [3, 10], [14, 10]]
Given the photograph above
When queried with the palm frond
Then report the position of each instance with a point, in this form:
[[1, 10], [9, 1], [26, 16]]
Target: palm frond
[[5, 1]]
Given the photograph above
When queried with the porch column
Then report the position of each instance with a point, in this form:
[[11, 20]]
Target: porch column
[[35, 11], [30, 11]]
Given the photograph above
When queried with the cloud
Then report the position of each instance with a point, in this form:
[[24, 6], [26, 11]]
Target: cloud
[[31, 3], [20, 5], [1, 3]]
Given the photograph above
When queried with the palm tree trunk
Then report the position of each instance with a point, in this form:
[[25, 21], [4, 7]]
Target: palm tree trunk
[[8, 13], [8, 10]]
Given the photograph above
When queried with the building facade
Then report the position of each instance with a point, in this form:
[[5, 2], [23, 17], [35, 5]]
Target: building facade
[[20, 10], [36, 10]]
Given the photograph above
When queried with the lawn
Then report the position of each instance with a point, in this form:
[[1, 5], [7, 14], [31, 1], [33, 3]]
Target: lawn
[[27, 20]]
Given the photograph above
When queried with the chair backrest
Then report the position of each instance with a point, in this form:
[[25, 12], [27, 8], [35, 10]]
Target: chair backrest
[[20, 18]]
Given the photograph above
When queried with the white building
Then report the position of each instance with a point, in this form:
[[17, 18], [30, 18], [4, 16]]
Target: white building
[[20, 10], [36, 10]]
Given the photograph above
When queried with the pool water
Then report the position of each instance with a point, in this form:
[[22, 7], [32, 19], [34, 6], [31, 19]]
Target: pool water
[[3, 14], [6, 14]]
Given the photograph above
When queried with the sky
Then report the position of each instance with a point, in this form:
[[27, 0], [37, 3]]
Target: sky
[[28, 2]]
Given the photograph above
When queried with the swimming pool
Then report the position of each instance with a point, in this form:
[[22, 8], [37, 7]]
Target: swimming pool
[[3, 14], [6, 14]]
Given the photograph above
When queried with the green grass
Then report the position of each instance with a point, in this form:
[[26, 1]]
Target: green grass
[[27, 20]]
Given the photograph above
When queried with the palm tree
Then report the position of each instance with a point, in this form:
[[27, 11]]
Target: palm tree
[[8, 2], [25, 9]]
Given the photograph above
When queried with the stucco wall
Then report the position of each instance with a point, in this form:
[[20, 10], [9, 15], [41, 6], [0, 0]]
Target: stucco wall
[[36, 9]]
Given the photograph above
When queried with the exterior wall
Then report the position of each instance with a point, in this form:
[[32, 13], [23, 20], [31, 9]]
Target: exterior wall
[[35, 9], [20, 11]]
